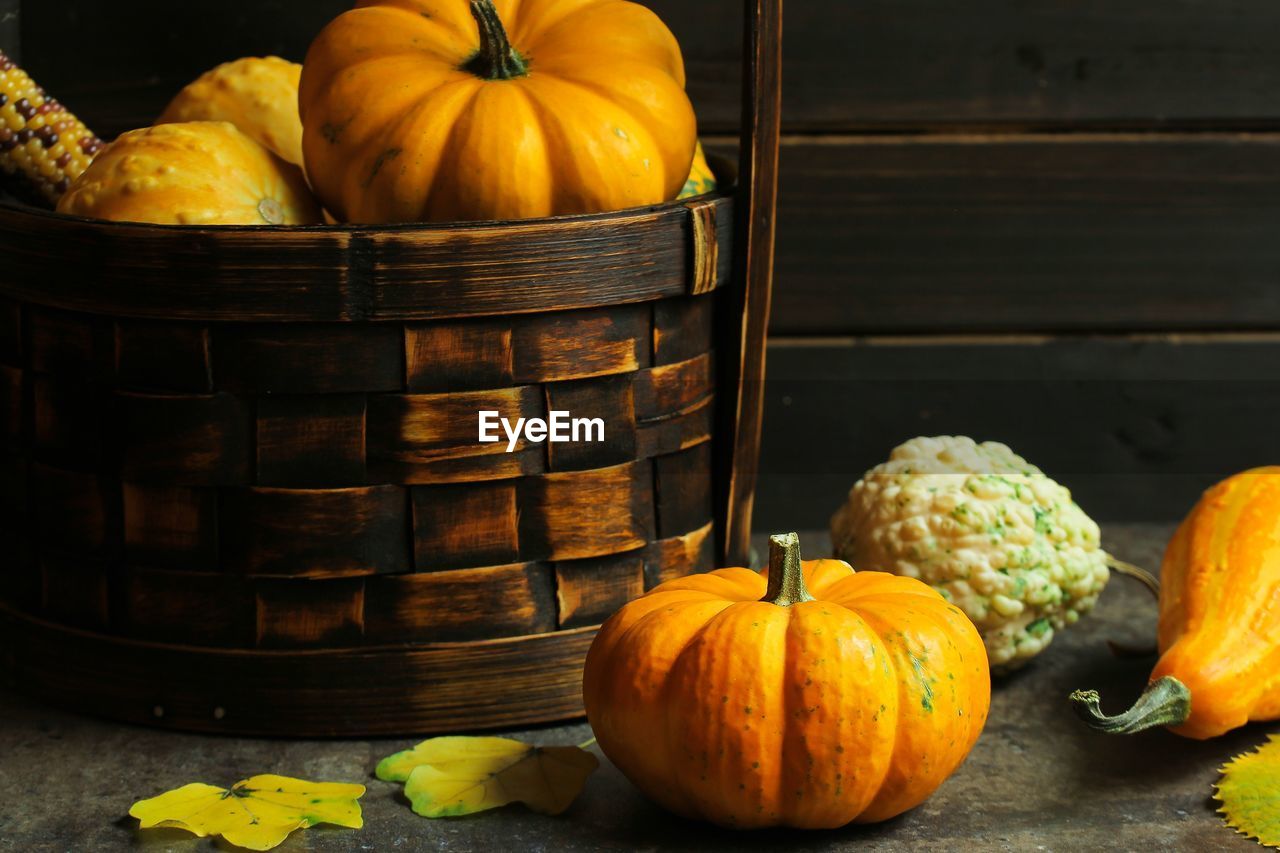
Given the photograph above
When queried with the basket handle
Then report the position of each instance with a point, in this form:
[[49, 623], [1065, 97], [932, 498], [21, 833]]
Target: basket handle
[[747, 317]]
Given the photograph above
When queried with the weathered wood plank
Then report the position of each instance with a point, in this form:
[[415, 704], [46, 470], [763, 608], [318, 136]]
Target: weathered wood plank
[[12, 405], [311, 440], [670, 434], [1135, 426], [419, 272], [923, 63], [456, 605], [11, 29], [165, 272], [163, 357], [524, 267], [67, 417], [894, 63], [517, 350], [170, 527], [575, 514], [10, 332], [433, 438], [191, 608], [1067, 232], [682, 329], [13, 490], [667, 559], [315, 532], [75, 590], [192, 439], [303, 613], [74, 511], [66, 343], [671, 389], [21, 581], [683, 485], [388, 690], [743, 320], [465, 524], [608, 400], [309, 359], [589, 591]]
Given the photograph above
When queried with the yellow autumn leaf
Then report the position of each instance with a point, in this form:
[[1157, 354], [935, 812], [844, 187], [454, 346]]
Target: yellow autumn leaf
[[1250, 793], [256, 813], [450, 776]]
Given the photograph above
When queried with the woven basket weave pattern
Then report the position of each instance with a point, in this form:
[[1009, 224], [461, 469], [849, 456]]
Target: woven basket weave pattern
[[321, 485]]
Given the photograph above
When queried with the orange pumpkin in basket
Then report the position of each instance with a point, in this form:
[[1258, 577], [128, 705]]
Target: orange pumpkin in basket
[[818, 697], [437, 110]]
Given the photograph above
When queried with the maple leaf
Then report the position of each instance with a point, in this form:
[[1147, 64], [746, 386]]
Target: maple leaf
[[451, 776], [1250, 793], [256, 813]]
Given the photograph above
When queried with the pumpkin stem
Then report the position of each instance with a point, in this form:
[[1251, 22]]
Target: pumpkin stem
[[1165, 702], [496, 59], [786, 578]]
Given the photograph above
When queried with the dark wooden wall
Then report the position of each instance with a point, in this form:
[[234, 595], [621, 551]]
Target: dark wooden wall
[[1049, 222]]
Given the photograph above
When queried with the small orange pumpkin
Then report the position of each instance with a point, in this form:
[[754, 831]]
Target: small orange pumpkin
[[811, 699], [257, 95], [191, 173], [1219, 633], [420, 110]]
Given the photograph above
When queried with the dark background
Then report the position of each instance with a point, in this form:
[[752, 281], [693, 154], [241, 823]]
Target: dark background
[[1054, 223]]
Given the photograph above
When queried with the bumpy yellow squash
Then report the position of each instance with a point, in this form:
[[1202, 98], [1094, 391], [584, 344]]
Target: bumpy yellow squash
[[257, 95], [191, 173]]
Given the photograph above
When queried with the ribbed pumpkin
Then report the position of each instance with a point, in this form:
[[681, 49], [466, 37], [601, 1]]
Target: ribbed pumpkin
[[257, 95], [436, 110], [192, 173], [812, 698], [1219, 634]]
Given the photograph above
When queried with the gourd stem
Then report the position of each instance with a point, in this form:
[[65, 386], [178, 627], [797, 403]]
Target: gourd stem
[[1165, 702], [1139, 574], [496, 59], [786, 577]]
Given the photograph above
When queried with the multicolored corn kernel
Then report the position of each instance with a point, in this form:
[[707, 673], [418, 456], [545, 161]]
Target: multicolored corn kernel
[[43, 148]]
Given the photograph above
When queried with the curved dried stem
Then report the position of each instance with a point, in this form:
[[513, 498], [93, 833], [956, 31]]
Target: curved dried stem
[[1165, 702], [1138, 573]]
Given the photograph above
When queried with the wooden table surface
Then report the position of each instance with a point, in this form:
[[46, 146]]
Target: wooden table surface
[[1037, 780]]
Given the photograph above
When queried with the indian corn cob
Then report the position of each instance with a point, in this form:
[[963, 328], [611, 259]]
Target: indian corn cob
[[43, 148]]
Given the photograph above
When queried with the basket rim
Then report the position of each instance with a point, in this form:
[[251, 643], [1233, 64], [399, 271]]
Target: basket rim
[[13, 207], [723, 167], [344, 273]]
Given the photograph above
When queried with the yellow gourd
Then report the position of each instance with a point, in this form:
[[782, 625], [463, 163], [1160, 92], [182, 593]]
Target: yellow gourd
[[191, 173], [258, 95]]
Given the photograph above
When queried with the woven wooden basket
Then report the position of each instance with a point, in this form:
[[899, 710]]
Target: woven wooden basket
[[242, 485]]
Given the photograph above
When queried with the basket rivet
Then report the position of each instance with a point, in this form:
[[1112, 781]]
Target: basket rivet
[[158, 711], [219, 712]]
